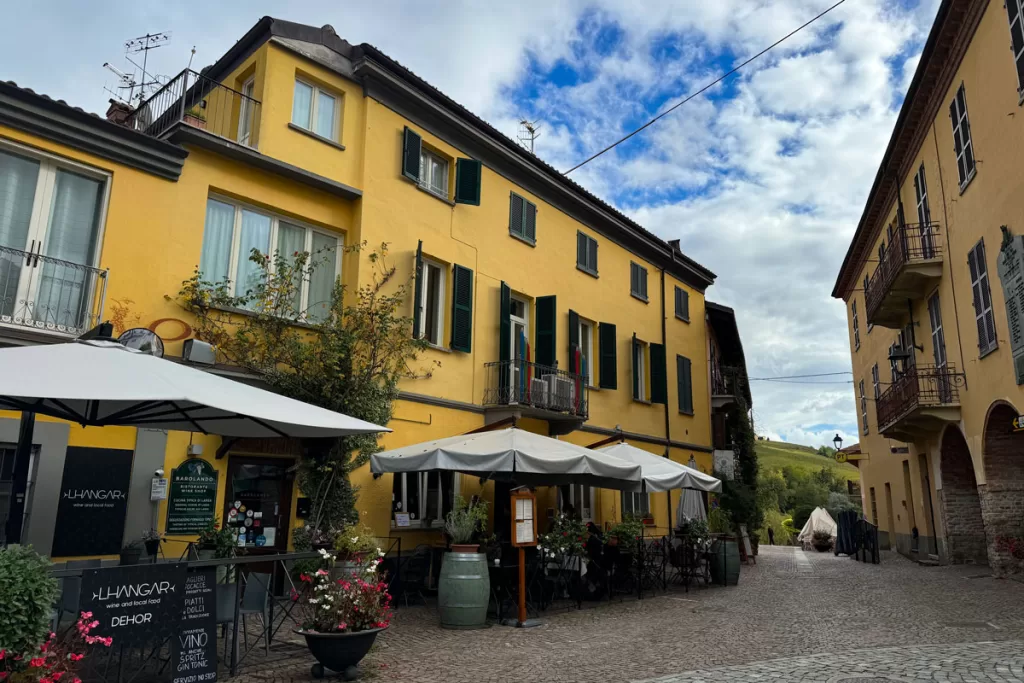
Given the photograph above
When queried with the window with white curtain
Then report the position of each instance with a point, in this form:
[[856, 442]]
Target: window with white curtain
[[434, 173], [233, 230], [636, 504], [316, 110], [425, 496], [51, 208]]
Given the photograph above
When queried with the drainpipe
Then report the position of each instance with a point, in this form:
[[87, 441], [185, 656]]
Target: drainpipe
[[668, 434]]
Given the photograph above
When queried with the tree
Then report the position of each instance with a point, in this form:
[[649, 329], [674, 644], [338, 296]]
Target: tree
[[346, 354], [827, 451], [739, 496]]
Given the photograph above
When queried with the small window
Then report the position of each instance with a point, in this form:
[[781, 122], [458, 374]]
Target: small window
[[433, 173], [962, 144], [587, 349], [425, 496], [1015, 12], [522, 218], [432, 303], [638, 281], [640, 350], [316, 110], [863, 408], [682, 304], [876, 384], [982, 299], [636, 504], [586, 253], [856, 326]]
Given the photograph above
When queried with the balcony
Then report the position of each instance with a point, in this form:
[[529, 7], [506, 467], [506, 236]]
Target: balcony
[[519, 388], [48, 294], [195, 100], [920, 402], [725, 386], [911, 266]]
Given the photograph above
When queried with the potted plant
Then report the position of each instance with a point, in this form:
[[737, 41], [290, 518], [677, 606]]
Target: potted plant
[[25, 581], [217, 543], [194, 117], [151, 539], [340, 618], [355, 546], [566, 538], [626, 532], [464, 586], [131, 552], [822, 541], [56, 657]]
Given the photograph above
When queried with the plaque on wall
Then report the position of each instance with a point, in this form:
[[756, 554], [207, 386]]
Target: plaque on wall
[[93, 502], [1010, 267], [192, 502]]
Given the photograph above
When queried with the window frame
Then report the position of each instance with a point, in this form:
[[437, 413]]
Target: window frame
[[1018, 55], [866, 281], [314, 107], [275, 221], [984, 288], [678, 300], [439, 326], [246, 109], [588, 357], [587, 267], [962, 123], [640, 369], [418, 523], [876, 381], [856, 325], [427, 186], [863, 408], [637, 500], [639, 270]]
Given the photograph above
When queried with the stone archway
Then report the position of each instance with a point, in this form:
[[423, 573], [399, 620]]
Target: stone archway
[[1002, 496], [961, 503]]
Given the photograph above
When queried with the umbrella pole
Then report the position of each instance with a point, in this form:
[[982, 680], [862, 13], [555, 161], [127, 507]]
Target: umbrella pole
[[19, 489]]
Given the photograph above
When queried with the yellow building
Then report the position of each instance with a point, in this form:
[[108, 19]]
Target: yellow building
[[933, 297], [297, 140]]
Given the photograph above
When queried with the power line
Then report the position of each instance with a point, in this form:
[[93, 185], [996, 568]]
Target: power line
[[798, 381], [706, 87], [821, 374]]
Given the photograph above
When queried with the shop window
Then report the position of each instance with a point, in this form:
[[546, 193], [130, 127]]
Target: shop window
[[425, 496]]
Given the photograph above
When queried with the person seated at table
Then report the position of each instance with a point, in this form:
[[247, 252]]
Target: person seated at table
[[594, 530], [596, 580]]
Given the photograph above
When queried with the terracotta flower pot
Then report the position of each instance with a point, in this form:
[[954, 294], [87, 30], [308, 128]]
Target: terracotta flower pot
[[465, 547]]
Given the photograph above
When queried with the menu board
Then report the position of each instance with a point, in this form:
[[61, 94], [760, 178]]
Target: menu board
[[524, 523], [192, 503], [194, 655], [135, 604]]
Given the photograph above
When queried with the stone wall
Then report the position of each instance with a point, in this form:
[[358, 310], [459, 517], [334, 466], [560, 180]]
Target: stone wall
[[960, 503], [1002, 498]]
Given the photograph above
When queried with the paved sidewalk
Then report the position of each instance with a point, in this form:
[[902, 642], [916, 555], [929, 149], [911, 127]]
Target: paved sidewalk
[[798, 616]]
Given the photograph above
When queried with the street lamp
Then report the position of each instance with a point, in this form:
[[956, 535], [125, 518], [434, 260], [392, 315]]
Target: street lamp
[[838, 441]]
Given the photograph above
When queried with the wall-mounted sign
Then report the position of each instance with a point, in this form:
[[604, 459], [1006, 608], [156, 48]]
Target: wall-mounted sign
[[93, 502], [158, 489], [1018, 423], [138, 604], [524, 519], [401, 519], [1010, 266], [192, 502], [194, 650]]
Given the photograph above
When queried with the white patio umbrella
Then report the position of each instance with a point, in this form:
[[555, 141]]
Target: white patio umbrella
[[662, 474], [102, 383], [515, 455], [691, 503]]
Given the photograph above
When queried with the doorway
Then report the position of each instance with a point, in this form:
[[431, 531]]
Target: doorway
[[891, 518], [908, 491], [926, 493], [258, 502]]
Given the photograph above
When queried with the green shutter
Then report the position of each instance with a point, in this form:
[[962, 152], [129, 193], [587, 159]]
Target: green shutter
[[659, 379], [636, 362], [411, 143], [574, 339], [505, 324], [530, 221], [546, 322], [467, 181], [606, 351], [684, 382], [417, 314], [462, 309], [515, 214]]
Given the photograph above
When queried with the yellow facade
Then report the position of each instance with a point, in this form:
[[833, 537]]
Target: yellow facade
[[352, 186], [945, 464]]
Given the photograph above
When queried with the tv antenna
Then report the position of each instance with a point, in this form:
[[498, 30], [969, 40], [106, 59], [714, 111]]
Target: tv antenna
[[528, 133], [144, 44]]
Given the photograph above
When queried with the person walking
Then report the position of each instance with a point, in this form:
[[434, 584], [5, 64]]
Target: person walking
[[771, 536]]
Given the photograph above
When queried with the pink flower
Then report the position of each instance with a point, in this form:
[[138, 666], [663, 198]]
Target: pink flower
[[75, 657], [3, 653], [107, 641], [86, 615], [37, 661]]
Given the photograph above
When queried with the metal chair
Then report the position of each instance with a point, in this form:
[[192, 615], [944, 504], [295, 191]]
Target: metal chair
[[255, 601], [71, 593], [414, 573], [226, 612]]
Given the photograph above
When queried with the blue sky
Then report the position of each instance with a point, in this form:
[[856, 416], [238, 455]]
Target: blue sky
[[761, 178]]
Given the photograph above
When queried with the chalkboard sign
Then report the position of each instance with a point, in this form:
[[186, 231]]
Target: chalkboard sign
[[93, 502], [192, 502], [194, 655], [137, 604]]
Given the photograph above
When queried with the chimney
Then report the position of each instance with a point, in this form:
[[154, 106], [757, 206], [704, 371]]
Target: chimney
[[674, 244], [118, 112]]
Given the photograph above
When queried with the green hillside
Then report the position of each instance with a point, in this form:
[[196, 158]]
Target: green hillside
[[774, 455]]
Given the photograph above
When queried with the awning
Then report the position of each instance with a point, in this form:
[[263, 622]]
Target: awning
[[514, 455], [662, 474]]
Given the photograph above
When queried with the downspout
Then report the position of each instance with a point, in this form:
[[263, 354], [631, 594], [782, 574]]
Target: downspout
[[668, 435]]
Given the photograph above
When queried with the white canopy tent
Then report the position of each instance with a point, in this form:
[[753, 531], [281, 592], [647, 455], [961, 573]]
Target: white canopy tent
[[662, 474], [819, 520], [102, 383], [515, 455]]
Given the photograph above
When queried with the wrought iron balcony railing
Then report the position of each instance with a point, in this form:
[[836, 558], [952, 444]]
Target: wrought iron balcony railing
[[47, 293], [911, 243], [201, 102], [725, 381], [527, 384], [918, 387]]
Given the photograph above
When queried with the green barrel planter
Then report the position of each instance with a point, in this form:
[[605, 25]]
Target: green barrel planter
[[725, 561], [463, 590]]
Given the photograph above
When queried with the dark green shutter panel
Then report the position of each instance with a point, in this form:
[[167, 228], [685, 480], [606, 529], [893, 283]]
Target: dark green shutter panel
[[505, 324], [606, 350], [636, 362], [462, 309], [417, 290], [684, 383], [546, 322], [467, 181], [574, 339], [530, 221], [411, 143], [515, 214], [659, 379]]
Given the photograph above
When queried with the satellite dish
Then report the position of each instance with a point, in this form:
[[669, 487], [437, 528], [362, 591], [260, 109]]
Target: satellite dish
[[141, 339]]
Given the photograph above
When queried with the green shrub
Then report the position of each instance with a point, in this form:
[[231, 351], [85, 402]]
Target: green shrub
[[27, 592]]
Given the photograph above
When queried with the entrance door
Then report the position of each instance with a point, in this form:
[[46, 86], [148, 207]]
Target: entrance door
[[7, 486], [519, 317], [939, 349], [258, 501]]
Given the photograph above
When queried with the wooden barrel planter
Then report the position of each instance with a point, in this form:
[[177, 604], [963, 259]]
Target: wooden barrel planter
[[725, 561], [463, 589]]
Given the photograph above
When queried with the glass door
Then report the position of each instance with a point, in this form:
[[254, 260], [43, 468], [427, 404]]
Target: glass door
[[520, 331], [258, 502]]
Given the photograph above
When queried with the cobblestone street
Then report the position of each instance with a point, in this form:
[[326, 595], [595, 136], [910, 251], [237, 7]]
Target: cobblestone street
[[794, 617]]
